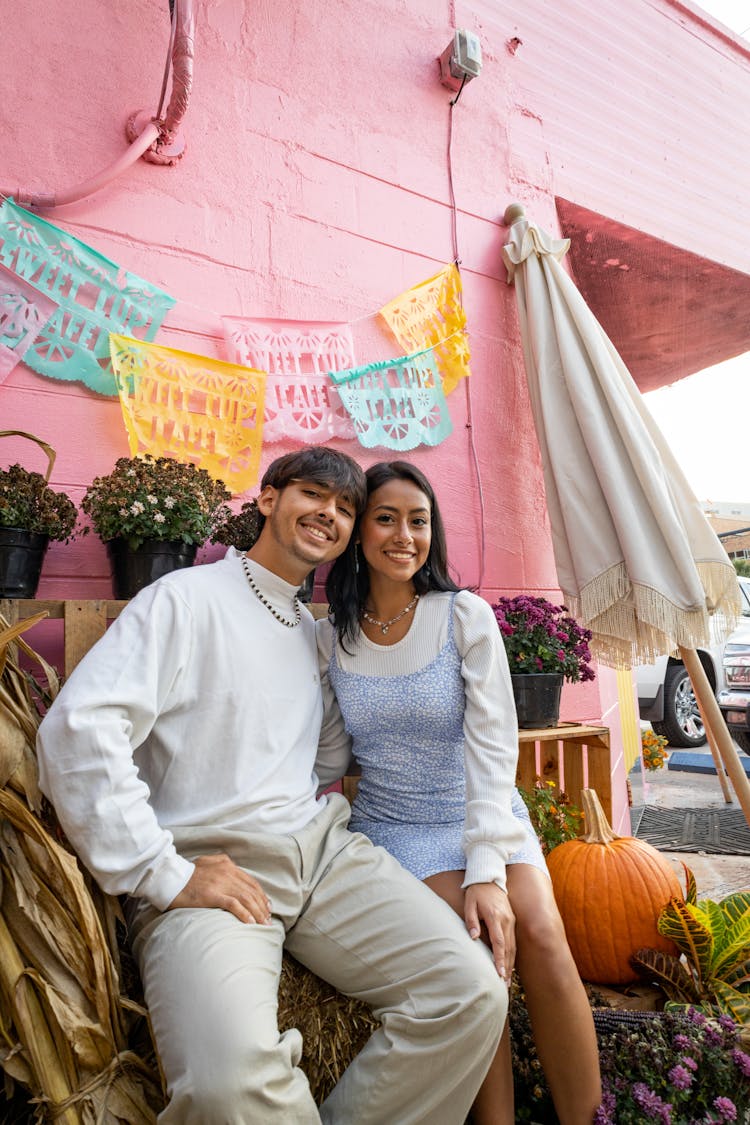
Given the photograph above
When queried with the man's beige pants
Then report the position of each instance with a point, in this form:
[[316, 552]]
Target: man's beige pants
[[350, 913]]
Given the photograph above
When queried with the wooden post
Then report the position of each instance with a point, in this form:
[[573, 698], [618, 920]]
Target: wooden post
[[721, 772], [714, 720]]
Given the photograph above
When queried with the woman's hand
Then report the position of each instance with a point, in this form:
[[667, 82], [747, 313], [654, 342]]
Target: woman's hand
[[487, 903]]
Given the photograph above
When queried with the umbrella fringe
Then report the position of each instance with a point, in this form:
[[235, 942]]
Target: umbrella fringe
[[634, 624]]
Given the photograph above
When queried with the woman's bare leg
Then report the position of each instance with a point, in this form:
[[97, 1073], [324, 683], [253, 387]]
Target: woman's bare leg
[[494, 1102], [556, 1000]]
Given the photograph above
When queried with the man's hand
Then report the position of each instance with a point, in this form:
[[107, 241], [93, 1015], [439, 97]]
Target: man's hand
[[485, 902], [219, 883]]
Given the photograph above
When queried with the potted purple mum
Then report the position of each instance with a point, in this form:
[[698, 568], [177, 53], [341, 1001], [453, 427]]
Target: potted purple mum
[[545, 647]]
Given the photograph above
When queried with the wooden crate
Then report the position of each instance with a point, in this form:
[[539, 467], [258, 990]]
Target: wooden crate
[[573, 755]]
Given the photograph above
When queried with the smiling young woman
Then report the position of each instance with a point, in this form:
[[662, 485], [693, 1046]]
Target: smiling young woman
[[394, 539], [417, 687]]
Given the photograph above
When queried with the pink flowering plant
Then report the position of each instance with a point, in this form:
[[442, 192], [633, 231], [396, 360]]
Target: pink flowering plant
[[156, 498], [542, 637]]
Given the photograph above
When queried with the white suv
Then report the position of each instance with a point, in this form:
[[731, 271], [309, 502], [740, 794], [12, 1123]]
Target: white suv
[[665, 693], [734, 698]]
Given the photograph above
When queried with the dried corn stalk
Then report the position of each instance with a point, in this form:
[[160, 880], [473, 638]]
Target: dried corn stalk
[[63, 1023]]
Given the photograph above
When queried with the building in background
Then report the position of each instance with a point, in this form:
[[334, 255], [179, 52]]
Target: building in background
[[731, 522]]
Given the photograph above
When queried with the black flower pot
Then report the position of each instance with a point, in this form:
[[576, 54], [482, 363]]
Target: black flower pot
[[537, 696], [21, 556], [134, 569]]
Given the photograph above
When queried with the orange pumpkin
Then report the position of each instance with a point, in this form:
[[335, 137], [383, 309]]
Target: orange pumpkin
[[610, 891]]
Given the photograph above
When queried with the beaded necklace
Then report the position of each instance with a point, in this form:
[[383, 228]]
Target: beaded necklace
[[385, 625], [261, 598]]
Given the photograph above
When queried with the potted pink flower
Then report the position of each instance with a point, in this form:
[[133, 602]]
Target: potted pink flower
[[545, 646]]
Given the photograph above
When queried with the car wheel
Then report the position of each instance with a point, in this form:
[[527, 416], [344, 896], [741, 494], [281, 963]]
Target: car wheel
[[682, 724], [742, 738]]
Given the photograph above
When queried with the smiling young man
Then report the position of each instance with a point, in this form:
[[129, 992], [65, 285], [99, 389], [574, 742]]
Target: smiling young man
[[180, 759]]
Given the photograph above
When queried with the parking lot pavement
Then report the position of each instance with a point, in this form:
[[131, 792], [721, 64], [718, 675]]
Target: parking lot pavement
[[715, 875]]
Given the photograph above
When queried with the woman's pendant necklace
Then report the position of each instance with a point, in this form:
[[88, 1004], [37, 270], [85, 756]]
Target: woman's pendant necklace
[[385, 625]]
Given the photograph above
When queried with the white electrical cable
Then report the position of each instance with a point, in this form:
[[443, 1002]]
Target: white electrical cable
[[467, 380]]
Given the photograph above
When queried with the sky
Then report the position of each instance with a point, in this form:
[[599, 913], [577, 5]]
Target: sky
[[704, 417]]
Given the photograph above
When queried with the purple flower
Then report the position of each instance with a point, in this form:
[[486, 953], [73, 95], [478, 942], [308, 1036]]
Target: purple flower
[[741, 1060], [712, 1035], [696, 1017], [683, 1042], [680, 1077], [691, 1064], [651, 1103], [606, 1111], [539, 638], [725, 1108]]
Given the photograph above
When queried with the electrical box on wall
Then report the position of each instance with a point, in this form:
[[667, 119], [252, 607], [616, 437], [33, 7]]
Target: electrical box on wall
[[461, 60]]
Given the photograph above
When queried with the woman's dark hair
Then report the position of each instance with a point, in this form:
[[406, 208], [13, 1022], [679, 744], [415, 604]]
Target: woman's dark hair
[[347, 588]]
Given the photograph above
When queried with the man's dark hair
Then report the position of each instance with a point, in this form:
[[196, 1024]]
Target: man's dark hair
[[322, 466], [347, 585]]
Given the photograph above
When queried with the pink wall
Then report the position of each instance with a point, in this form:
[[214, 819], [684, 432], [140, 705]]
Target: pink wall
[[315, 186]]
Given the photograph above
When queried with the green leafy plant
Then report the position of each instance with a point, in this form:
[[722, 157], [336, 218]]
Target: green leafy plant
[[554, 817], [653, 749], [28, 502], [240, 529], [156, 498], [712, 970], [541, 637]]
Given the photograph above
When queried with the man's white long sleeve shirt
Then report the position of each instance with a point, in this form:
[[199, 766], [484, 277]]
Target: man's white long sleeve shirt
[[196, 708]]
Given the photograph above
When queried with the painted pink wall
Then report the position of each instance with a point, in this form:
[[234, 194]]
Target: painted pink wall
[[315, 186]]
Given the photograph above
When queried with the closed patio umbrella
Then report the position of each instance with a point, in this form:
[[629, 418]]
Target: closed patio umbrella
[[636, 559]]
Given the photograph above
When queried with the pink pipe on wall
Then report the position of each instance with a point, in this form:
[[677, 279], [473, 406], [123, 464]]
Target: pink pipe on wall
[[157, 141], [183, 55], [45, 202], [170, 146]]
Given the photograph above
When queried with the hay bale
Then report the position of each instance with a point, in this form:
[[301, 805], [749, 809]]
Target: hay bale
[[334, 1027]]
